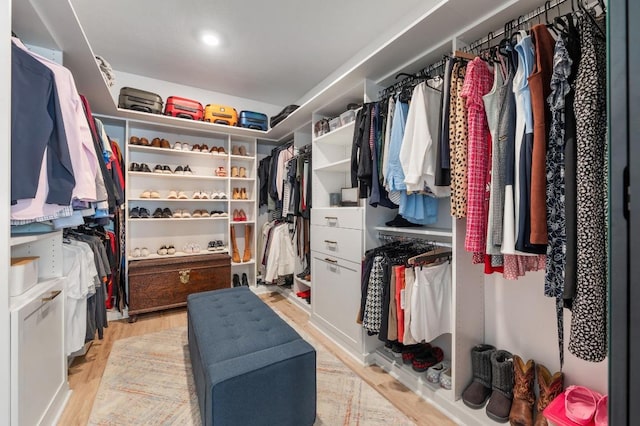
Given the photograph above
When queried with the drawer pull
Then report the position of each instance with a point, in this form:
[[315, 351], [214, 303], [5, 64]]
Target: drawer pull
[[330, 260], [184, 276], [331, 217], [53, 295], [330, 242]]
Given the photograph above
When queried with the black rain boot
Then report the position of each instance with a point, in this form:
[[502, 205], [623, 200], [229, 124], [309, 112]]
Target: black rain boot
[[499, 405], [477, 393], [236, 280], [245, 281]]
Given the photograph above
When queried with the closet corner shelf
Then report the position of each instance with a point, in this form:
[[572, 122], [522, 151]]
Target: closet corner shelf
[[303, 281], [155, 150], [251, 262], [433, 232], [190, 124], [177, 254], [19, 239], [341, 136], [338, 166], [175, 176]]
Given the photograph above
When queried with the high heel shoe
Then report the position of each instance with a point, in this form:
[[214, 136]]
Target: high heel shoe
[[236, 194], [236, 215], [242, 172], [234, 171], [243, 194], [242, 216]]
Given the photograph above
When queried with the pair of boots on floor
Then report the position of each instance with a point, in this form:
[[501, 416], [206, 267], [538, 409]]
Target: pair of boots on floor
[[508, 382], [235, 254]]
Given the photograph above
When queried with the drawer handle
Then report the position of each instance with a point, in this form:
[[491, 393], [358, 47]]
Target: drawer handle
[[53, 295], [184, 276], [330, 242], [331, 260], [331, 217]]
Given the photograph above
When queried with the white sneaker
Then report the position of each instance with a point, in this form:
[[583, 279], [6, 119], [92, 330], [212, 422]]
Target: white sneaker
[[144, 252], [197, 195], [177, 146], [135, 252]]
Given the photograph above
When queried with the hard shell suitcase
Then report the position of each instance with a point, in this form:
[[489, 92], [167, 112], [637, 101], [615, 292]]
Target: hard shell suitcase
[[283, 114], [183, 108], [140, 100], [221, 114], [253, 120]]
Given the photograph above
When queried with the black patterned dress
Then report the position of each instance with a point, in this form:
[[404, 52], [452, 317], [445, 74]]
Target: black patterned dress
[[556, 224], [588, 338]]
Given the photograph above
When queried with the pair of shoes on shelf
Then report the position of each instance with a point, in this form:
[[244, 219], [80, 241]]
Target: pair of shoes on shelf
[[140, 252], [139, 213], [304, 294], [218, 150], [181, 214], [160, 213], [181, 146], [401, 222], [304, 273], [239, 150], [219, 213], [150, 193], [160, 143], [177, 195], [134, 140], [201, 195], [239, 215], [238, 172], [426, 358], [135, 167], [183, 170], [166, 250], [236, 280], [162, 169], [235, 256], [201, 213], [191, 248], [221, 171], [240, 194], [440, 374], [217, 246]]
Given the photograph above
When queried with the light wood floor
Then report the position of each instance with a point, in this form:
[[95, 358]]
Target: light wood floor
[[85, 372]]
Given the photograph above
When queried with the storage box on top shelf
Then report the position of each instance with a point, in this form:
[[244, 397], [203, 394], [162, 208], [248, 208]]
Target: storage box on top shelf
[[24, 274]]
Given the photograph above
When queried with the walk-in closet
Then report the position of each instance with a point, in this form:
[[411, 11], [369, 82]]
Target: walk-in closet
[[348, 213]]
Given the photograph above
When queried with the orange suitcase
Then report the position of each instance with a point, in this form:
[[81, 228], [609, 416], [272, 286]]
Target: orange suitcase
[[221, 114]]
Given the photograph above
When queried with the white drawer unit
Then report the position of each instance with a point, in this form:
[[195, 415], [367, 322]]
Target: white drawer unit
[[337, 242], [336, 299], [338, 217], [38, 362]]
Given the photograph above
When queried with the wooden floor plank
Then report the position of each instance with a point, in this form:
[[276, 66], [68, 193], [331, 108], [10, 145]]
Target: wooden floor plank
[[86, 372]]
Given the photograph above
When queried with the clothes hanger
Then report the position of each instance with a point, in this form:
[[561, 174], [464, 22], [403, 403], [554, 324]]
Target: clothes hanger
[[430, 255], [589, 15]]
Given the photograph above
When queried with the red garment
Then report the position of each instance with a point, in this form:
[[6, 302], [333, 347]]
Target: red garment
[[400, 285], [118, 162], [478, 82]]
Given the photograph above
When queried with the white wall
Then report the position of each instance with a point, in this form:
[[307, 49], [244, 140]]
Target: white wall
[[166, 89], [5, 167], [520, 319]]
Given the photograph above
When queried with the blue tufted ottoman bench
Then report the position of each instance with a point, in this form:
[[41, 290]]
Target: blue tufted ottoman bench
[[249, 366]]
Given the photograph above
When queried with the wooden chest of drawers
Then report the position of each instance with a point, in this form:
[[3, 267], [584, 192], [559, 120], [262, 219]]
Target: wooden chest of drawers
[[156, 284]]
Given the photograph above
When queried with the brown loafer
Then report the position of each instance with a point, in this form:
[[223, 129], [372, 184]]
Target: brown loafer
[[165, 144], [156, 143], [144, 142], [134, 140]]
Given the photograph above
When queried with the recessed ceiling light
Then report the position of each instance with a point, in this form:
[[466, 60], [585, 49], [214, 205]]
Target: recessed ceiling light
[[211, 39]]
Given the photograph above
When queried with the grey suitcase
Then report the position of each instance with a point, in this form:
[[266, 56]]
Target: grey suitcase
[[140, 100]]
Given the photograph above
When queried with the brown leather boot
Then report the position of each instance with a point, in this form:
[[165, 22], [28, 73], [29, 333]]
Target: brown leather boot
[[550, 387], [235, 257], [247, 243], [523, 397]]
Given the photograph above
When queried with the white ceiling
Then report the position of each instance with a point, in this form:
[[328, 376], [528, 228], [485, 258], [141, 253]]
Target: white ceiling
[[273, 51]]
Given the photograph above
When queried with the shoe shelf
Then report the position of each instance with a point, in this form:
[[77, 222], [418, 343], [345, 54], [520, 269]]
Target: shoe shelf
[[242, 201], [175, 176], [176, 254], [242, 157], [250, 262], [183, 200], [244, 179], [172, 152], [242, 222], [176, 219], [303, 281], [341, 136]]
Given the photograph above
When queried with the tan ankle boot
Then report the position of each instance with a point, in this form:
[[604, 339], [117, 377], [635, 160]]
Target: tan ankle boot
[[247, 243], [523, 397], [235, 257], [236, 194], [550, 387]]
